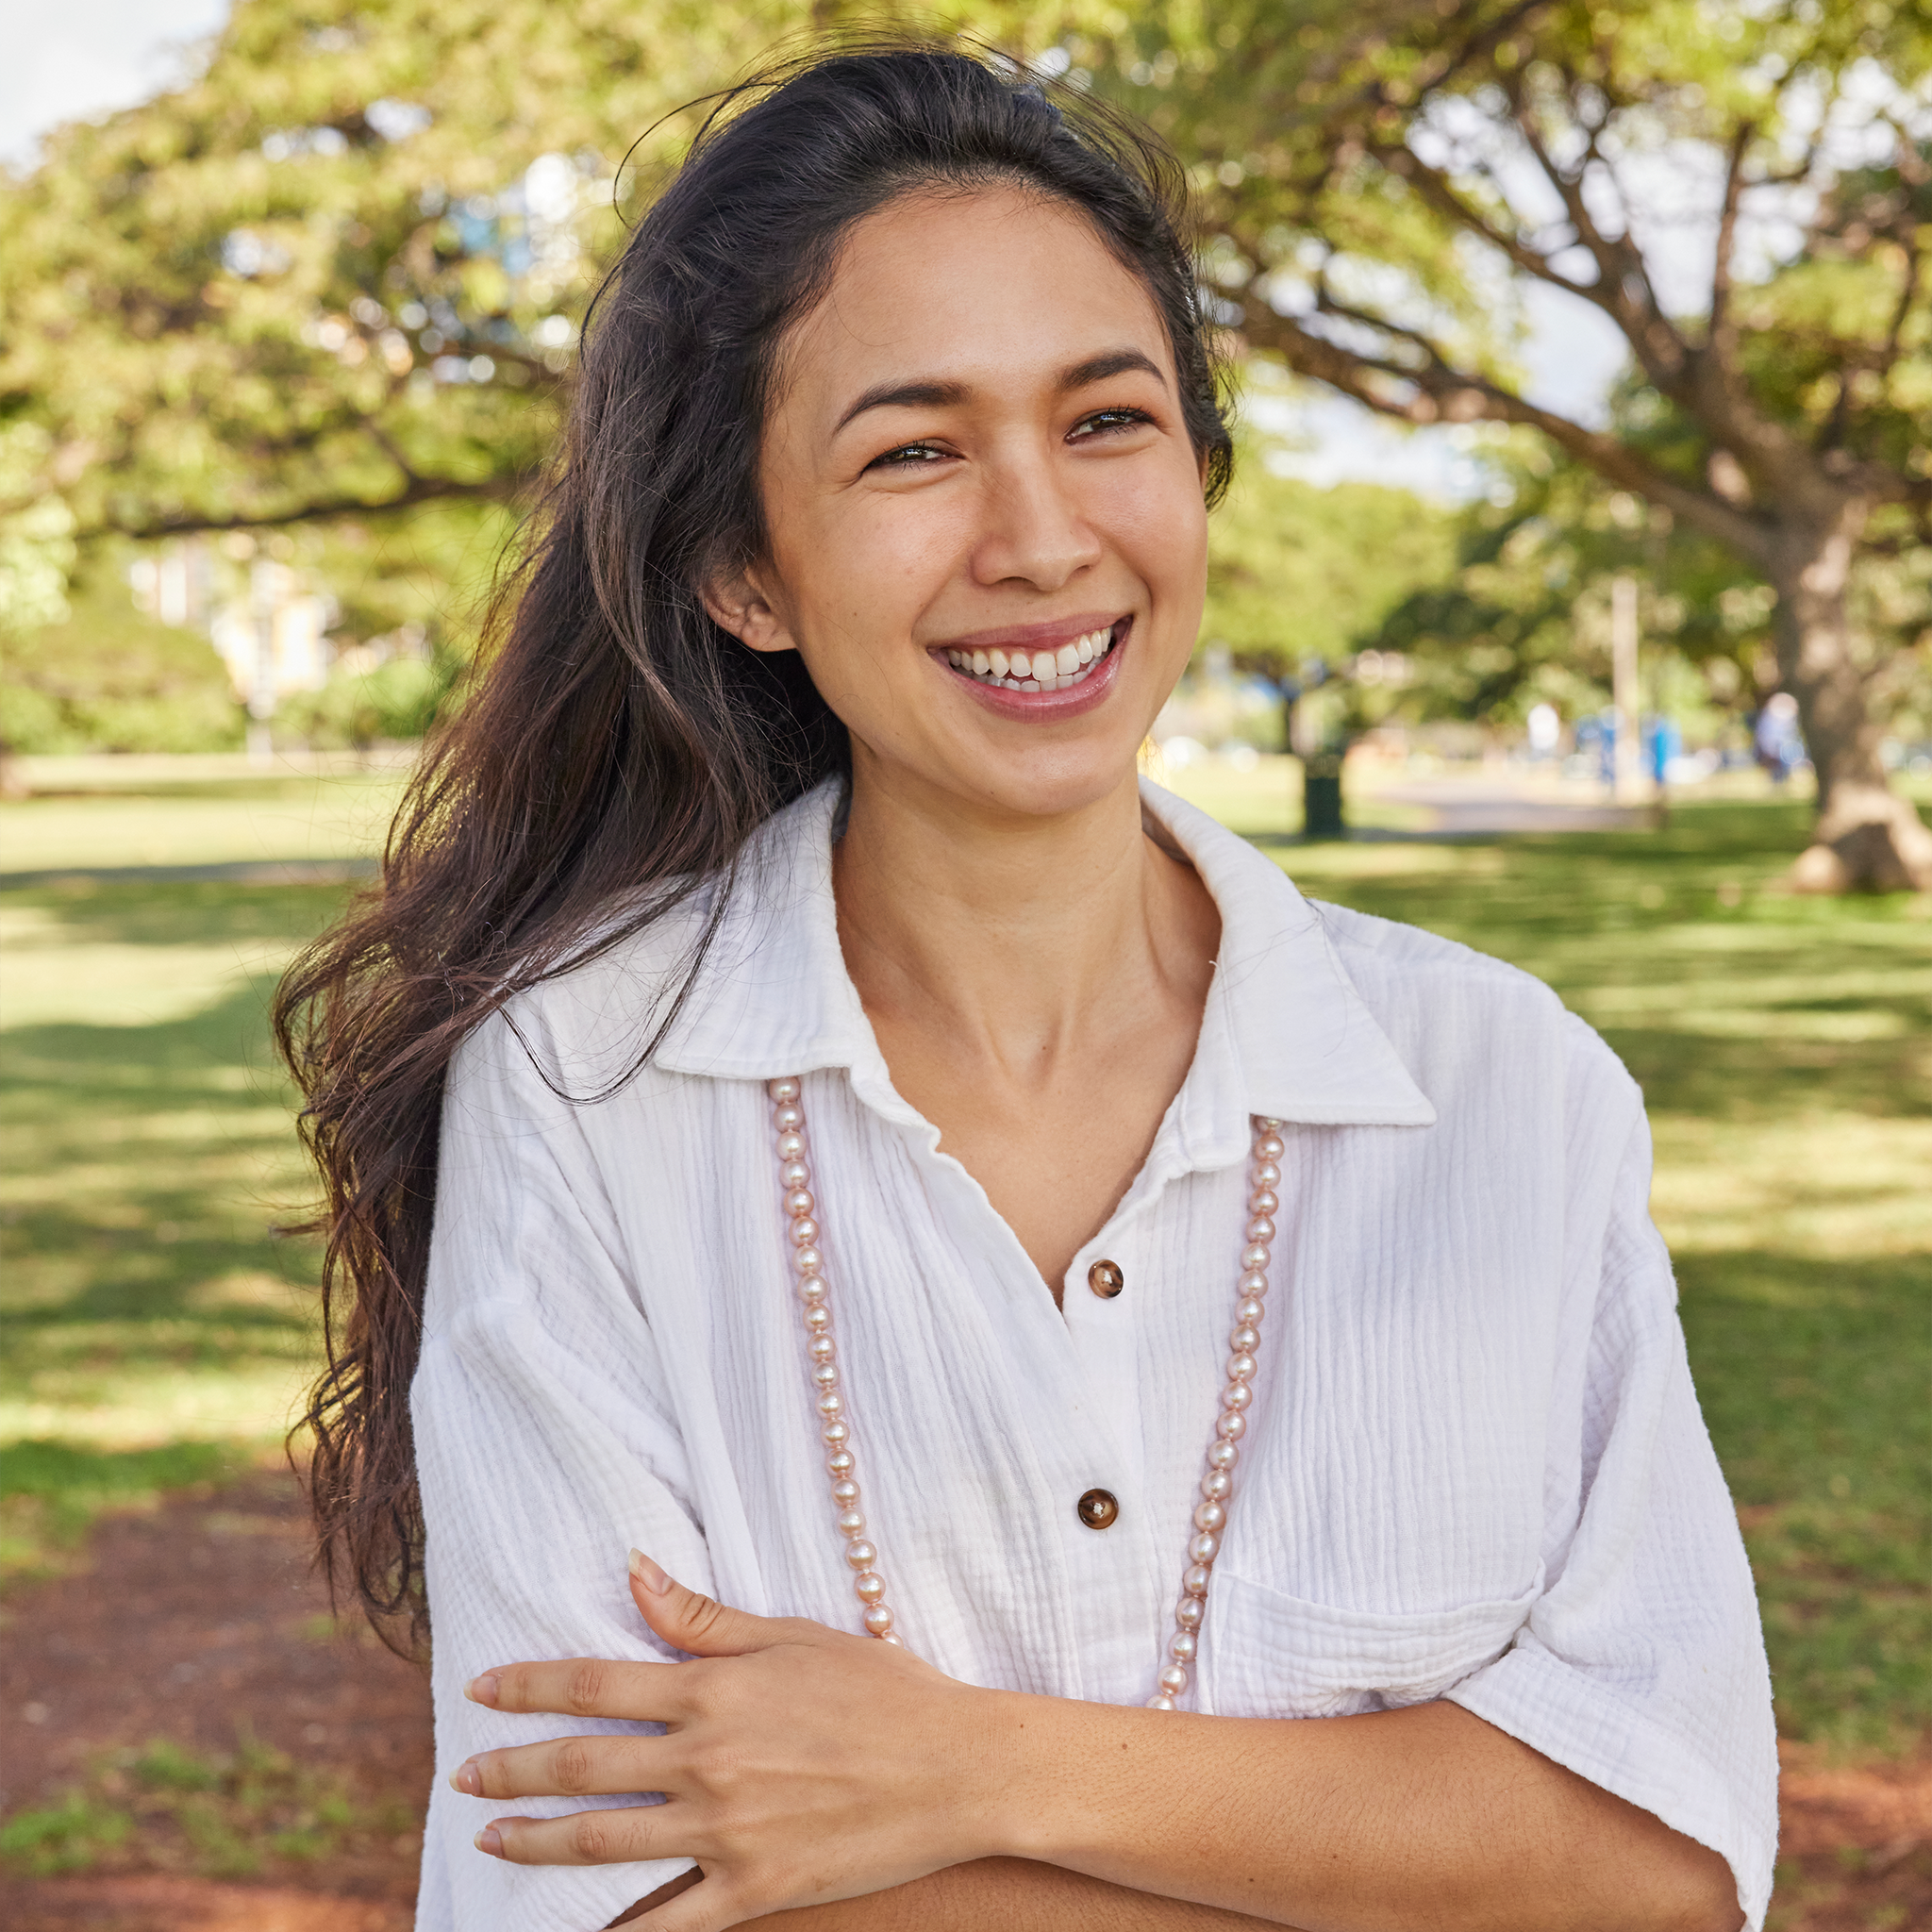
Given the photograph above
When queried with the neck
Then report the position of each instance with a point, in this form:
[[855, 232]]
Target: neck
[[1022, 941]]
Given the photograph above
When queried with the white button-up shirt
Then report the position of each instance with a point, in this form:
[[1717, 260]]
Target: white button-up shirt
[[1474, 1467]]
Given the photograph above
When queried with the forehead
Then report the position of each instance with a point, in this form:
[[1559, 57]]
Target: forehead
[[999, 288]]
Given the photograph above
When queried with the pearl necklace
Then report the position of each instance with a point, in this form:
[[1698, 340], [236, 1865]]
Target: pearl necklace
[[1224, 1452]]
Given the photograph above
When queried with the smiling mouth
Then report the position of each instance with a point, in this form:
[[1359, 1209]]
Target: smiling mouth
[[1056, 669]]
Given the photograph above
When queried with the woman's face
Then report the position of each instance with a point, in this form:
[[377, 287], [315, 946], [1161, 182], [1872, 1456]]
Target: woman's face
[[987, 536]]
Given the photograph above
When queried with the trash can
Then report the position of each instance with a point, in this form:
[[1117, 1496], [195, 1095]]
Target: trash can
[[1322, 796]]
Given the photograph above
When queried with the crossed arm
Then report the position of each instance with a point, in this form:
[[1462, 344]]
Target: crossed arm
[[826, 1782]]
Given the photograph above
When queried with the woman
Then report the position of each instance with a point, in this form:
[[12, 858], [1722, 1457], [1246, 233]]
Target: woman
[[826, 1065]]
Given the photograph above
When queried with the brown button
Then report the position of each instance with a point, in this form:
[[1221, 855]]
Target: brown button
[[1106, 1281], [1098, 1508]]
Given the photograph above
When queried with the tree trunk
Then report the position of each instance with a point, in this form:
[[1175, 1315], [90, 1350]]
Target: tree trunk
[[1865, 835]]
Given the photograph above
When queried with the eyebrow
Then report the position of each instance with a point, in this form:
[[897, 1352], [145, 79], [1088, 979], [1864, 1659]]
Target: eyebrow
[[944, 396]]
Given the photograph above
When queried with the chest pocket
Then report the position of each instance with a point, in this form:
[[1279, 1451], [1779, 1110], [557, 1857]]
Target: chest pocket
[[1265, 1653]]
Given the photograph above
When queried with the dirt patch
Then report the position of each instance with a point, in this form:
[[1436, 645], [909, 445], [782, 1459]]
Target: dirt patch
[[186, 1702], [200, 1624]]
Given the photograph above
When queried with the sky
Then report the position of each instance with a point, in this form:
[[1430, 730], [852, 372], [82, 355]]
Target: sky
[[69, 59]]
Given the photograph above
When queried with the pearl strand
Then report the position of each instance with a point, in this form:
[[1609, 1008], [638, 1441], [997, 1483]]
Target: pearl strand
[[1223, 1453], [794, 1175]]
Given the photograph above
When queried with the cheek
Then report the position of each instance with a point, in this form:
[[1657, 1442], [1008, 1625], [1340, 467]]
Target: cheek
[[1161, 526]]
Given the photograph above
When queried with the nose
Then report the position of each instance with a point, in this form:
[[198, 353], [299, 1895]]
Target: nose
[[1033, 528]]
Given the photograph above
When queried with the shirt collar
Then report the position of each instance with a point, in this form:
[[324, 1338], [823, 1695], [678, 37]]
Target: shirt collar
[[1284, 1033]]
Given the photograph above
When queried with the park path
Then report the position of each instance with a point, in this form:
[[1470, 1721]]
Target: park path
[[201, 1618]]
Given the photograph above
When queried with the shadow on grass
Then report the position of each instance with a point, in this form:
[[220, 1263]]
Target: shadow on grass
[[1813, 1377]]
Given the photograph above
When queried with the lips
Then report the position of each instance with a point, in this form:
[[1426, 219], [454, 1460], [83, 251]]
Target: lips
[[1042, 669]]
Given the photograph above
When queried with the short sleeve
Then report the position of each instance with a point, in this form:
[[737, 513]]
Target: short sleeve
[[1642, 1665], [546, 1447]]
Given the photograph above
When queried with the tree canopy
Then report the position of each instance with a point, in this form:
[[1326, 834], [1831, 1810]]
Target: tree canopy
[[338, 275]]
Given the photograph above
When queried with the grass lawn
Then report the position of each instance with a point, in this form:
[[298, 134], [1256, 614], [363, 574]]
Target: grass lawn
[[158, 1331]]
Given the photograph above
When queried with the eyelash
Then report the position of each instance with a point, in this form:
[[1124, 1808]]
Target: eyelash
[[1117, 418]]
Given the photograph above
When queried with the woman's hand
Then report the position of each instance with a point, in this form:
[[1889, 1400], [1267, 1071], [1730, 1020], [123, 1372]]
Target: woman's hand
[[799, 1765]]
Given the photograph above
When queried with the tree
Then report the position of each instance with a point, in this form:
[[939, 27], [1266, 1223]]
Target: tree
[[340, 273], [1394, 183]]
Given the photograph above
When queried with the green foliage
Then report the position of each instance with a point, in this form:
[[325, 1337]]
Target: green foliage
[[37, 547], [1296, 572], [106, 678], [398, 700]]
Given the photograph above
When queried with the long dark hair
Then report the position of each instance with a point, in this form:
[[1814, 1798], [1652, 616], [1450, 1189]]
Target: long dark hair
[[620, 747]]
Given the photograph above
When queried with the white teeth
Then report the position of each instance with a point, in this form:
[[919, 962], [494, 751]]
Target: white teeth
[[1059, 669]]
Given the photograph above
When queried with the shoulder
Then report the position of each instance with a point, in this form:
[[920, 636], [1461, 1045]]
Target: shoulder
[[1467, 1012]]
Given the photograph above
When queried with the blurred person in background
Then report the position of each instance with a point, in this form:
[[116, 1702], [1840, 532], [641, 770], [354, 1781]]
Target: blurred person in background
[[1776, 739], [1044, 1306]]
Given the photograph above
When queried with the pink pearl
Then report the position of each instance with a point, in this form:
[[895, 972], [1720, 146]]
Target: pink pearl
[[1260, 1230], [840, 1463], [1197, 1578], [1184, 1646], [1267, 1174], [808, 1261], [1217, 1485], [789, 1118], [1253, 1283], [827, 1375], [871, 1586], [1204, 1547], [1250, 1310], [804, 1232], [878, 1619], [1187, 1613], [1263, 1201], [1240, 1367], [790, 1147], [851, 1522], [860, 1554], [796, 1174], [818, 1317], [844, 1492], [782, 1090], [1174, 1680], [1271, 1147], [1254, 1256], [1237, 1396], [1244, 1341], [1210, 1516], [1231, 1426], [1161, 1702], [1270, 1122], [1223, 1455], [799, 1203], [834, 1433], [831, 1405], [894, 1637], [821, 1348]]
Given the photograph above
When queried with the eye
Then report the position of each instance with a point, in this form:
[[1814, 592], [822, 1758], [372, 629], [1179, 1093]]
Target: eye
[[909, 456], [1109, 422]]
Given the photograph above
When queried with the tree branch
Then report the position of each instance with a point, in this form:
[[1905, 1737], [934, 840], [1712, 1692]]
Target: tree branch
[[321, 509], [1443, 392], [1719, 332]]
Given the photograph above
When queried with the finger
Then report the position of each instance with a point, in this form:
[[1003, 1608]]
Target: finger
[[582, 1687], [615, 1836], [696, 1625], [564, 1767]]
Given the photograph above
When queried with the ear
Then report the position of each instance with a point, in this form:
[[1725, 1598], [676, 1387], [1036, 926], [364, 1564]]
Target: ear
[[741, 606]]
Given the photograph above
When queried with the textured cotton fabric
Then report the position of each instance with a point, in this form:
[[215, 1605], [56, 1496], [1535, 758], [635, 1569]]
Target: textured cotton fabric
[[1474, 1468]]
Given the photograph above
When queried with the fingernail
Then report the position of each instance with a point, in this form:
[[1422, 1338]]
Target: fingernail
[[648, 1573], [482, 1690], [467, 1778], [488, 1840]]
